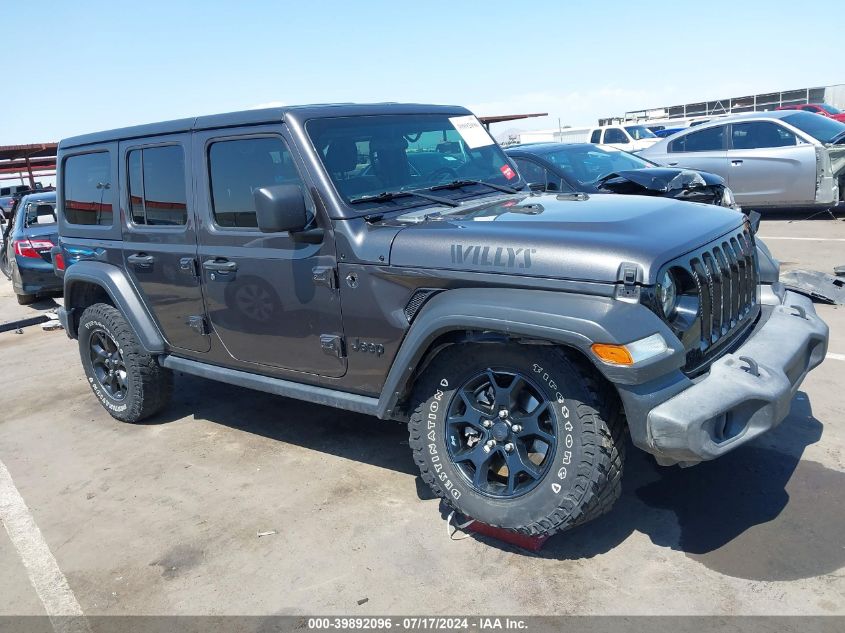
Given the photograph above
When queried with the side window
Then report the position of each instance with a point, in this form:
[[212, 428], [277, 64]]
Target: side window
[[595, 137], [531, 172], [239, 167], [760, 134], [708, 140], [615, 135], [86, 182], [157, 186], [810, 108]]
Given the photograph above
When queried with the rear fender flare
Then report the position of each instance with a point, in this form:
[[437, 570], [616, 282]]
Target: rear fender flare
[[116, 284]]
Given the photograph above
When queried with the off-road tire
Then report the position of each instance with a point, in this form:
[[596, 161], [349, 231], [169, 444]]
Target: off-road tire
[[592, 480], [25, 300], [148, 385]]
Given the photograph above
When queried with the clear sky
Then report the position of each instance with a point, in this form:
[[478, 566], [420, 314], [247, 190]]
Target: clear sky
[[75, 67]]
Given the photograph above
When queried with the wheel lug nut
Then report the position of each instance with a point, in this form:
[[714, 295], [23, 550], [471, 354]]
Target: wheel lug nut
[[487, 424], [509, 447], [503, 413], [516, 428]]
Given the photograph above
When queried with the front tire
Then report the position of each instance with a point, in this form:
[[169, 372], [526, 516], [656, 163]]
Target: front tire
[[517, 437], [127, 380]]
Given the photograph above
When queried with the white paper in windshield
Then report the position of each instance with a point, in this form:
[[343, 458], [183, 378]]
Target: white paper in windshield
[[471, 131]]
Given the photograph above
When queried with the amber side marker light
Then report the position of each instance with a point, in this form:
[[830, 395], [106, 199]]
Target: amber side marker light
[[631, 353]]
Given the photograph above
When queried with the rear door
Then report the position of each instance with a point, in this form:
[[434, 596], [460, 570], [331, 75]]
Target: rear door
[[769, 165], [160, 237], [270, 297], [703, 149]]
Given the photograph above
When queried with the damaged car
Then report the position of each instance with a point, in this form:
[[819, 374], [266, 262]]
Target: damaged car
[[783, 159], [592, 168]]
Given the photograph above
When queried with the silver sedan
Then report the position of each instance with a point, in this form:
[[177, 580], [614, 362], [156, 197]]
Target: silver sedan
[[769, 159]]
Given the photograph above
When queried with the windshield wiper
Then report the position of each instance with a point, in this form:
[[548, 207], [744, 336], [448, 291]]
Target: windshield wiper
[[386, 196], [455, 184]]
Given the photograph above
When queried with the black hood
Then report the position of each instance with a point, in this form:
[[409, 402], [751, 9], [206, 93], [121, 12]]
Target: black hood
[[577, 236]]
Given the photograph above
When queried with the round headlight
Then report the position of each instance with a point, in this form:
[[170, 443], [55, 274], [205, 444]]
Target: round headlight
[[667, 294]]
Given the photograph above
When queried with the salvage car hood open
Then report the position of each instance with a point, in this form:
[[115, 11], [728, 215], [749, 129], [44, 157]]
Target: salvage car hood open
[[583, 237]]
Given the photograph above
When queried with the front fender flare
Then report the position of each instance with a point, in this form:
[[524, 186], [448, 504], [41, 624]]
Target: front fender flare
[[574, 320], [116, 284]]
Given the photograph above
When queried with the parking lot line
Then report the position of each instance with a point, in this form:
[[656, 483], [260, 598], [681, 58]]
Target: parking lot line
[[47, 579], [835, 356], [802, 239]]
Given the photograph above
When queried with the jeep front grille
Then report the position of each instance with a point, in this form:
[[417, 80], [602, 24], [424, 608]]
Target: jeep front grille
[[725, 273]]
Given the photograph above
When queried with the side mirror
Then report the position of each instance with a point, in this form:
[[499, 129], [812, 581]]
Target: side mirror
[[280, 208]]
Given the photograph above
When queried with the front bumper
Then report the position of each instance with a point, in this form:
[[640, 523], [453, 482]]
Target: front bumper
[[731, 405]]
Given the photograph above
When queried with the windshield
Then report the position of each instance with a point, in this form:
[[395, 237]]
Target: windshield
[[369, 155], [638, 132], [830, 109], [819, 127], [587, 164]]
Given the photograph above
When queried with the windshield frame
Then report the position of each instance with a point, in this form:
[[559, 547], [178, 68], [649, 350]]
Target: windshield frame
[[352, 207]]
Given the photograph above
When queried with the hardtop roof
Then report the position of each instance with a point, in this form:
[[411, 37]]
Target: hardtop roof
[[256, 117]]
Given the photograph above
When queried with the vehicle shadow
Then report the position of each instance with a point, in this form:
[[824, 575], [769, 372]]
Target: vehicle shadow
[[759, 512], [353, 436]]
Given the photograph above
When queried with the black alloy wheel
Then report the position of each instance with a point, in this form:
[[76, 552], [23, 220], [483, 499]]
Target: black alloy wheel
[[108, 364], [500, 433]]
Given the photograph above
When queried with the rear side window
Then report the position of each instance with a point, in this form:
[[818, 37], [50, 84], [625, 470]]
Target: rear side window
[[157, 186], [615, 135], [760, 134], [239, 167], [709, 140], [595, 137], [39, 214], [87, 181]]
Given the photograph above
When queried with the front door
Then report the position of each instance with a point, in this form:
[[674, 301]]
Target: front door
[[159, 236], [769, 165], [270, 297]]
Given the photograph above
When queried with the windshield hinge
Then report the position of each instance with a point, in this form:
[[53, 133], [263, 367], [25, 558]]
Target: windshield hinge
[[629, 278], [325, 276]]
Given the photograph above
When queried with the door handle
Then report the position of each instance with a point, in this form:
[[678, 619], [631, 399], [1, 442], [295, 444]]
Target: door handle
[[736, 162], [220, 265], [672, 164], [140, 259]]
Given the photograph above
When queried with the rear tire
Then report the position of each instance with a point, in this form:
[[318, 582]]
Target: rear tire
[[25, 300], [127, 380], [557, 417]]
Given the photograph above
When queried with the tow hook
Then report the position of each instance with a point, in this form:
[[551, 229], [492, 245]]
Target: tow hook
[[753, 368]]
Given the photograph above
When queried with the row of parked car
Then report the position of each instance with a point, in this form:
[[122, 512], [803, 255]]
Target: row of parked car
[[764, 160]]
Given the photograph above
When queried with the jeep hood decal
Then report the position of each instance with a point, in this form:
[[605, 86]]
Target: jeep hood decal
[[565, 237]]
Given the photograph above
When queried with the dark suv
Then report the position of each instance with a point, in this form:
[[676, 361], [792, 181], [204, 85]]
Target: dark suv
[[388, 259]]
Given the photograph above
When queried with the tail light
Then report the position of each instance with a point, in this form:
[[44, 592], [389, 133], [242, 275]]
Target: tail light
[[59, 261], [32, 248]]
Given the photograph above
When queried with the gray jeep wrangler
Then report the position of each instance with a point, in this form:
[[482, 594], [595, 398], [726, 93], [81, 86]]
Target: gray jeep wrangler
[[388, 259]]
